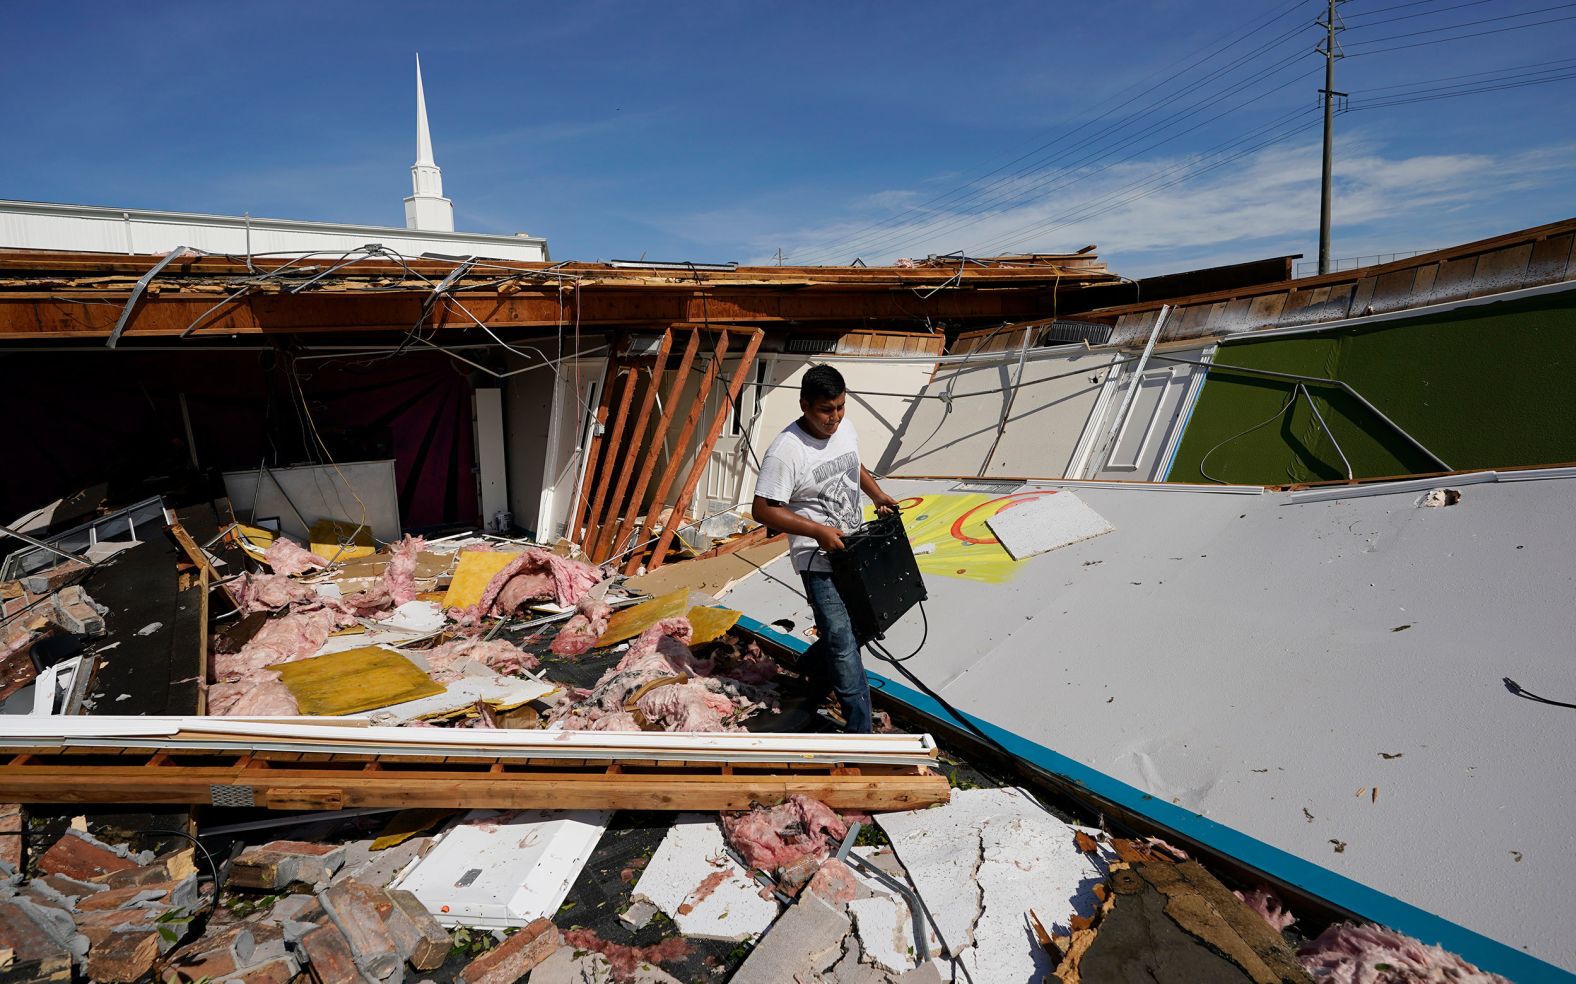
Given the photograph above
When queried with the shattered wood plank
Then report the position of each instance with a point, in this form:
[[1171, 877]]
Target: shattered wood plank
[[681, 447], [703, 453], [607, 525], [614, 458], [663, 424]]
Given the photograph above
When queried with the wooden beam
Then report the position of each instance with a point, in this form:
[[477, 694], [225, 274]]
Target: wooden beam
[[703, 453], [669, 473], [285, 785], [572, 530], [603, 541], [648, 464], [75, 313], [612, 455]]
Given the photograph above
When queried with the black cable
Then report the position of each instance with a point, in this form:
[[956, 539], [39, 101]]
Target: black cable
[[1459, 37], [213, 867], [1519, 691]]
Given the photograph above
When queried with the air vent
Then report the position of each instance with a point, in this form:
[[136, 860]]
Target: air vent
[[1072, 332], [810, 346]]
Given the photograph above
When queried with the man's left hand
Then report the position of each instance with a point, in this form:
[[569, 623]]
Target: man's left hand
[[885, 504]]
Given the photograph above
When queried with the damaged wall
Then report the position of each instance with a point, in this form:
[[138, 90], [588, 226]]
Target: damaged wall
[[100, 415], [1482, 387]]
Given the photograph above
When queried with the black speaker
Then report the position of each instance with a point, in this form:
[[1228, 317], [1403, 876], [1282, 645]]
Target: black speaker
[[876, 575]]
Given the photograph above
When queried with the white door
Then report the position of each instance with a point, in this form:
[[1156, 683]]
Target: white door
[[568, 439], [729, 462], [1142, 448]]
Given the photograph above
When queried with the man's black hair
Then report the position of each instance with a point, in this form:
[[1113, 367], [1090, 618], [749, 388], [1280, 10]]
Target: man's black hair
[[821, 383]]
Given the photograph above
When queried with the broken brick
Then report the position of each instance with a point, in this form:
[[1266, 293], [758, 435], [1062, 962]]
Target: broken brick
[[76, 856], [99, 926], [514, 957], [280, 970], [329, 954], [122, 958], [419, 938], [11, 835], [278, 864], [35, 953], [355, 912]]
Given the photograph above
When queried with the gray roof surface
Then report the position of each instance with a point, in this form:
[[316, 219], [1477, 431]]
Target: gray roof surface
[[1249, 658]]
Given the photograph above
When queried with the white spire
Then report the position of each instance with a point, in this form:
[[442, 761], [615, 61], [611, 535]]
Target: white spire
[[426, 208]]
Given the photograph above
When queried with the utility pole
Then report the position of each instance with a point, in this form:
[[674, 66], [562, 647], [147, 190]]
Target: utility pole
[[1329, 94]]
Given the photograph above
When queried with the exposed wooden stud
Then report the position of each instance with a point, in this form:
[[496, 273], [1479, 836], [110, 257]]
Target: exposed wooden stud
[[665, 485], [605, 532], [648, 465], [612, 456], [703, 453]]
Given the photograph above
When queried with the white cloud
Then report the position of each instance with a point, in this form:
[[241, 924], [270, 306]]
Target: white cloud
[[1261, 204]]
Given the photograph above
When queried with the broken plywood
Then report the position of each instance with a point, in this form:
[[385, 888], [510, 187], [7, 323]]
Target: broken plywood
[[980, 863], [702, 889], [498, 870]]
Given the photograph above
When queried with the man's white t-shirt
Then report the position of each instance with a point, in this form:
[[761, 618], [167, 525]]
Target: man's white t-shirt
[[816, 479]]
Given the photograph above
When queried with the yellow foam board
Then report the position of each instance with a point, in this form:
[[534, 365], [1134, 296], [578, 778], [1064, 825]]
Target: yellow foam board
[[710, 623], [336, 540], [475, 569], [631, 622], [355, 680]]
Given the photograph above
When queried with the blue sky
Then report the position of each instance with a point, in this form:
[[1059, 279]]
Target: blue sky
[[727, 131]]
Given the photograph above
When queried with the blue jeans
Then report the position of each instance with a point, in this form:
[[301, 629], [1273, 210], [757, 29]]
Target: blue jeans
[[832, 661]]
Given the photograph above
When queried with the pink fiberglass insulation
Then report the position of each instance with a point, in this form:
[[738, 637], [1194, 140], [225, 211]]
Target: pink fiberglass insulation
[[688, 706], [582, 631], [399, 577], [246, 684], [543, 575], [1269, 907], [287, 557], [263, 695], [499, 654], [270, 592], [701, 703], [623, 961], [772, 838], [1347, 953], [281, 640]]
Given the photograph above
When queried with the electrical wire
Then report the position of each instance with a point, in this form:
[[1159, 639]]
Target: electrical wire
[[1463, 37], [851, 240]]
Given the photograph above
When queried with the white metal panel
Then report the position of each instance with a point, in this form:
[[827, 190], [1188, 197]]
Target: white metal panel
[[575, 396], [350, 491], [498, 870]]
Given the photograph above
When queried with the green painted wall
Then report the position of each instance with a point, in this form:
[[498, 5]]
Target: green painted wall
[[1482, 387]]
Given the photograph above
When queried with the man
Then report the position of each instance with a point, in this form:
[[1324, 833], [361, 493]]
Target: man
[[809, 488]]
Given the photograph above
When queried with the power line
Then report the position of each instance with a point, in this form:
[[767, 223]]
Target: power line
[[1061, 179], [1404, 98], [857, 237], [1455, 27], [1420, 13], [1471, 75], [1098, 206], [1464, 37]]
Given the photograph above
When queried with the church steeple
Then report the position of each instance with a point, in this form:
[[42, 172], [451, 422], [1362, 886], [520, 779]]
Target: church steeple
[[426, 208]]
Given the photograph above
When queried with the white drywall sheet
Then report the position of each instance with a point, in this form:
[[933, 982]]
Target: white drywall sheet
[[1249, 657], [980, 863], [1044, 420], [497, 870], [703, 890], [352, 491], [1037, 525]]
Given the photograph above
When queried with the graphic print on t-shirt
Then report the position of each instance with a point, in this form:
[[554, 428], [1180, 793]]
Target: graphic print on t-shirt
[[837, 486]]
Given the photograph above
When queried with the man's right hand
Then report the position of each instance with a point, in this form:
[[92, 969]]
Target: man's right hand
[[829, 538]]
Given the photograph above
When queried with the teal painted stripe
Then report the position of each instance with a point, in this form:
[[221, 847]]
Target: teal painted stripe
[[1338, 890]]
